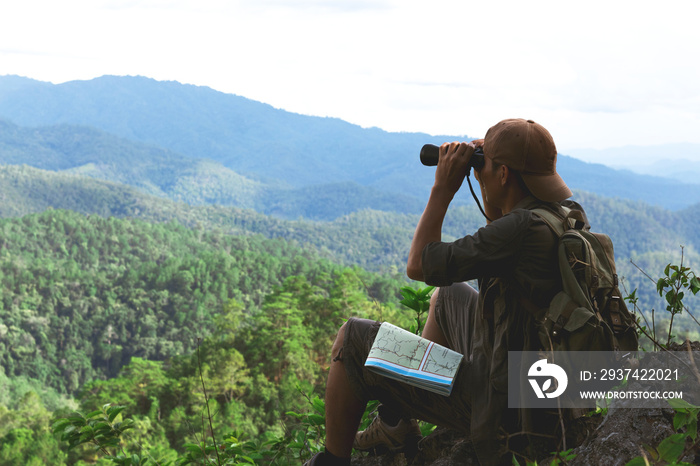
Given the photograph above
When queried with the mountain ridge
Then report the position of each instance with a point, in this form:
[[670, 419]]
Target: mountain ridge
[[91, 152], [677, 161], [272, 145]]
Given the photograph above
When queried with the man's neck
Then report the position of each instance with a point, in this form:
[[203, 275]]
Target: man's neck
[[514, 197]]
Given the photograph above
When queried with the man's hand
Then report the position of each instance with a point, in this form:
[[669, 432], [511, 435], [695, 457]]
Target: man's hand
[[453, 165]]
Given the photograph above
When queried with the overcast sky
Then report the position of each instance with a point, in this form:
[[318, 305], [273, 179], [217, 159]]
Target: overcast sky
[[597, 74]]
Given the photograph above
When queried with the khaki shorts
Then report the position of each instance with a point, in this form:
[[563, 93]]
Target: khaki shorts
[[454, 312]]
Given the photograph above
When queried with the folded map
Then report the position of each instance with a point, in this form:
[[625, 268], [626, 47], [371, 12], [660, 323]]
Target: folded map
[[401, 355]]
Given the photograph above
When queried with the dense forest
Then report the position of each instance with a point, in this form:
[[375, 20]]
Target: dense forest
[[104, 310], [98, 310], [64, 275], [375, 240]]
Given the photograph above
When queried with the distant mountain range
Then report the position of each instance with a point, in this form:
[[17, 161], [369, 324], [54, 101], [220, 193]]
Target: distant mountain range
[[161, 151], [253, 151], [675, 161]]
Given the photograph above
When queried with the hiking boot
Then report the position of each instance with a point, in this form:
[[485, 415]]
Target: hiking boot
[[379, 436]]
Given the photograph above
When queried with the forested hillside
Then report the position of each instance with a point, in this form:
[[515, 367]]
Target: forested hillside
[[378, 241], [104, 310], [83, 296], [93, 153]]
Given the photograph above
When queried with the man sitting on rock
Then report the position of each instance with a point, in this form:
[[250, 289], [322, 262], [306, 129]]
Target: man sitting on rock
[[514, 254]]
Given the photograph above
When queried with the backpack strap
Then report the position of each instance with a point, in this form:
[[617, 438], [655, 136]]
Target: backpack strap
[[554, 221], [558, 225], [573, 219]]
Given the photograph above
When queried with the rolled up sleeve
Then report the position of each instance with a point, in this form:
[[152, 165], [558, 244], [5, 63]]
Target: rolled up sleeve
[[490, 252]]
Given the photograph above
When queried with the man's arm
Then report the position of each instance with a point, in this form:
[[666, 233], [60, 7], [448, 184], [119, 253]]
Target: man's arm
[[449, 175]]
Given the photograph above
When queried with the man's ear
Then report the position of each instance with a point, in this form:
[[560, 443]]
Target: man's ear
[[503, 174]]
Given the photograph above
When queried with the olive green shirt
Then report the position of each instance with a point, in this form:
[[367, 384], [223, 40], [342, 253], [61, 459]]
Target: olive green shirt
[[511, 257]]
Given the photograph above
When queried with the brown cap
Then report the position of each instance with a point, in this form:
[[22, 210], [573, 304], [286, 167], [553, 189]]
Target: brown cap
[[528, 148]]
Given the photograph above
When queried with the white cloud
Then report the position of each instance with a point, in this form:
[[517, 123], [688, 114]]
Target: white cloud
[[596, 74]]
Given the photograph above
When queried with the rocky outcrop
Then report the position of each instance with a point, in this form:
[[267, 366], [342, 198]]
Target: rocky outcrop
[[611, 438]]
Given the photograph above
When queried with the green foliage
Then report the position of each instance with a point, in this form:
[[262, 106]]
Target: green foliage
[[671, 286], [30, 447], [686, 417], [672, 449], [111, 309], [562, 457], [307, 437], [676, 278], [99, 427], [232, 452], [370, 239], [419, 301], [377, 241], [29, 413], [83, 295], [274, 345], [253, 365], [668, 452]]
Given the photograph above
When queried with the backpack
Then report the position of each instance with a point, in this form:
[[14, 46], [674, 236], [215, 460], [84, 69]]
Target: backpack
[[589, 313]]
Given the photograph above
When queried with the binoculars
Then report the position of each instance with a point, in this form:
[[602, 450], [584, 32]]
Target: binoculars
[[430, 153]]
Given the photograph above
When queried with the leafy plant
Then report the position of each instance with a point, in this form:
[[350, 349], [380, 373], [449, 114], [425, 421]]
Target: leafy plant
[[419, 301], [672, 286], [98, 427], [562, 457], [232, 451], [310, 435], [686, 417], [674, 447], [676, 279]]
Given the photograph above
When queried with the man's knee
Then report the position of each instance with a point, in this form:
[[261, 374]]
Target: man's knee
[[434, 298], [336, 351]]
